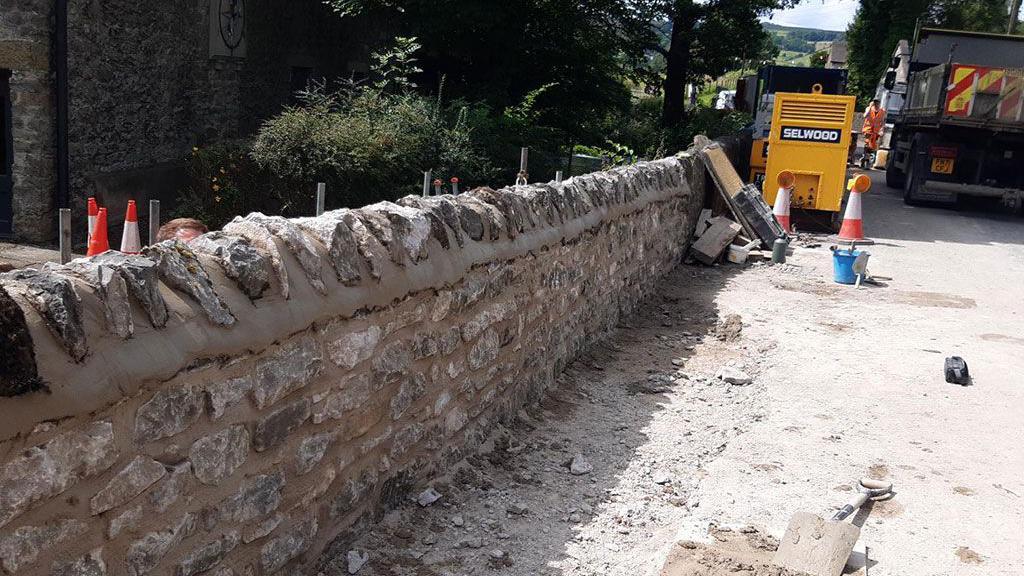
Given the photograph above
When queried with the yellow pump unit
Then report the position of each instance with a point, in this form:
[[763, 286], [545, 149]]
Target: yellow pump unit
[[810, 137]]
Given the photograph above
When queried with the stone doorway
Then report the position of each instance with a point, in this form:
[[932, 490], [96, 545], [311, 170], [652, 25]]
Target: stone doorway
[[6, 156]]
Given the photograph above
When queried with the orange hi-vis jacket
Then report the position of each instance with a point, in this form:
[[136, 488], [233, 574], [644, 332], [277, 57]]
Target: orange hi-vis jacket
[[874, 121]]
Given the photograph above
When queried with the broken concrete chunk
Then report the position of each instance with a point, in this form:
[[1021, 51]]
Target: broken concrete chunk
[[734, 375], [54, 297], [42, 472], [341, 243], [180, 269], [428, 497], [140, 474], [241, 261]]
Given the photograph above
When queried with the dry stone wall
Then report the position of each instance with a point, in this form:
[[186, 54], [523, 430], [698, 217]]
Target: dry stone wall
[[231, 406]]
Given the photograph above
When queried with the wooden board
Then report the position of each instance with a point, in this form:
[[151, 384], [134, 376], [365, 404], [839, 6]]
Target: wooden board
[[815, 545], [714, 241]]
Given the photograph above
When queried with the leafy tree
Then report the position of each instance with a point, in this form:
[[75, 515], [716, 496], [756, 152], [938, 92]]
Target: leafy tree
[[706, 39], [819, 59], [880, 24]]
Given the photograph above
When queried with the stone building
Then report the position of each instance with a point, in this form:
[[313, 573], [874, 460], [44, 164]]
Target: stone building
[[112, 107]]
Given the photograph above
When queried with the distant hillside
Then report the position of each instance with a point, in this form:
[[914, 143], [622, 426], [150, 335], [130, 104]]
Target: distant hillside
[[797, 44]]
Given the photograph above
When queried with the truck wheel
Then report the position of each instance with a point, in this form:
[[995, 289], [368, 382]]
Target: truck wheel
[[912, 182], [894, 177]]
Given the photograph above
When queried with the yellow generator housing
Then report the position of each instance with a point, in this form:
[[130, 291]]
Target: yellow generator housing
[[810, 136]]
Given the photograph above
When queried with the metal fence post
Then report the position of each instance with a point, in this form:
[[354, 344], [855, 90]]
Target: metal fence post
[[65, 235], [524, 175], [455, 185], [321, 198], [426, 182], [154, 221], [558, 176]]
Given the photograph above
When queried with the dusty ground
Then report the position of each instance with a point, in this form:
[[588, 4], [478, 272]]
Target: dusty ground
[[845, 383]]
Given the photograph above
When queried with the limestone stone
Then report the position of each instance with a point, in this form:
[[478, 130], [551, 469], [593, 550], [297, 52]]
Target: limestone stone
[[133, 480], [288, 369], [42, 472], [258, 497], [112, 291], [353, 393], [54, 297], [487, 318], [241, 261], [262, 529], [348, 349], [143, 281], [90, 564], [176, 484], [223, 395], [278, 552], [261, 230], [311, 450], [273, 429], [218, 455], [22, 547], [354, 492], [392, 361], [335, 233], [485, 350], [124, 521], [412, 389], [406, 438], [146, 553], [207, 556], [370, 248], [170, 411], [180, 269]]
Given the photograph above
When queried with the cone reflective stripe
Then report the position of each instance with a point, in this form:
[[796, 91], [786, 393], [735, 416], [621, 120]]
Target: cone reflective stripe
[[781, 209], [93, 210], [131, 242], [853, 219], [98, 244]]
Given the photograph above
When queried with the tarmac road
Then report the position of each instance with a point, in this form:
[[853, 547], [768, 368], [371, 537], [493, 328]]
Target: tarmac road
[[856, 387]]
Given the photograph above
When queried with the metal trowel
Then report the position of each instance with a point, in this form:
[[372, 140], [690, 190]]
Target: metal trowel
[[821, 547]]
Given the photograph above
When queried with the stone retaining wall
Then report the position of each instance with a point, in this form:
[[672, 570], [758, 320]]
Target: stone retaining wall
[[232, 406]]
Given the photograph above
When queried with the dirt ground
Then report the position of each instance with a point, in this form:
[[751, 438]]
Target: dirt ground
[[641, 446]]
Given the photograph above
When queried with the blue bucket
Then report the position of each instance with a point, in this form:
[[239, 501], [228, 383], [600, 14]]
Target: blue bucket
[[842, 263]]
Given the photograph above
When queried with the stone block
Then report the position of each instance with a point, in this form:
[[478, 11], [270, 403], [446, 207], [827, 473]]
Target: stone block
[[273, 429], [22, 547], [485, 350], [412, 389], [258, 497], [125, 521], [278, 552], [311, 451], [347, 349], [133, 480], [289, 369], [223, 395], [206, 557], [90, 564], [170, 411], [352, 394], [218, 455], [392, 362], [177, 483], [42, 472], [146, 553]]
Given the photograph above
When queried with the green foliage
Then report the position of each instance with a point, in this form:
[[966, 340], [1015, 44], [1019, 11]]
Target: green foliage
[[880, 24], [224, 182], [819, 59], [369, 145], [395, 68]]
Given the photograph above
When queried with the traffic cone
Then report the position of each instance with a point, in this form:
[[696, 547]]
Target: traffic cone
[[98, 244], [852, 229], [131, 242], [781, 209], [93, 211]]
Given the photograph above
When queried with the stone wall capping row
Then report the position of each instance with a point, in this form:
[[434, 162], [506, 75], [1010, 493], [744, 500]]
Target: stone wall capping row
[[106, 323]]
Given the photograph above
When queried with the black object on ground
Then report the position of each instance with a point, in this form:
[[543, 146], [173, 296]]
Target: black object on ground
[[956, 371]]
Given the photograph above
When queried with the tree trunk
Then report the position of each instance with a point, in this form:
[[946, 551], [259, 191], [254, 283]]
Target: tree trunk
[[678, 63]]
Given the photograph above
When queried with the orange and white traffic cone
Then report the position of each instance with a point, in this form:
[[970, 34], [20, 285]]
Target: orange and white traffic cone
[[852, 229], [131, 242], [98, 244], [93, 210], [781, 209]]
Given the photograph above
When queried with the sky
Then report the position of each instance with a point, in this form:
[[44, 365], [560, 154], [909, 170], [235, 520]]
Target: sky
[[823, 14]]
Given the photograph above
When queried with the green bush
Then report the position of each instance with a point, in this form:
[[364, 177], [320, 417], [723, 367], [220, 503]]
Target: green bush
[[225, 182]]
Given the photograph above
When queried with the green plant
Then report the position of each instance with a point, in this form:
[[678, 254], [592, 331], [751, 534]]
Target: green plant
[[394, 68]]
